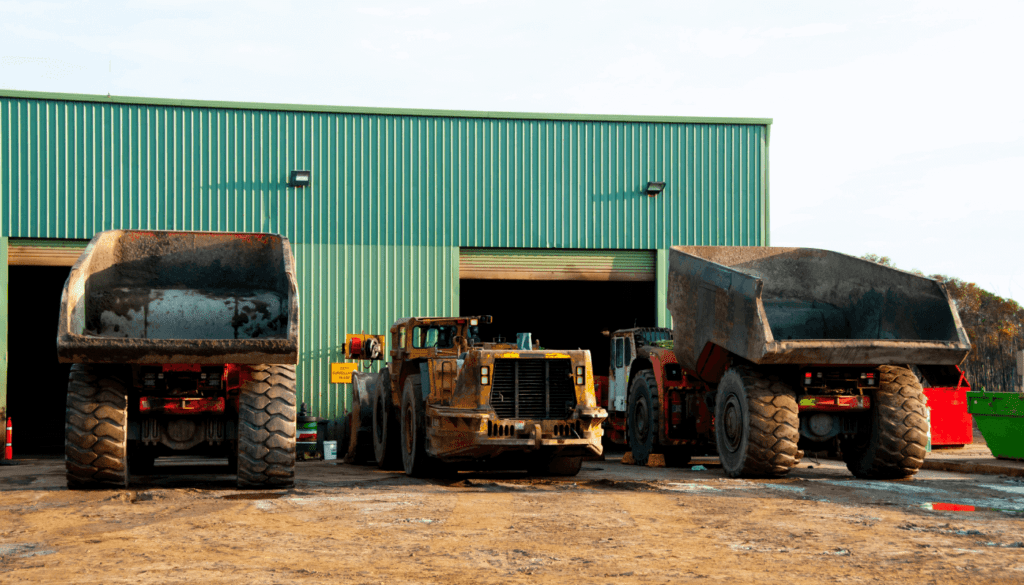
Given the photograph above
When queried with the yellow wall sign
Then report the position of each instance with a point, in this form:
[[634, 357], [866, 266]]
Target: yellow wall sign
[[341, 373]]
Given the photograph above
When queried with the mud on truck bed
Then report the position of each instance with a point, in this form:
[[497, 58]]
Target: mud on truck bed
[[181, 342]]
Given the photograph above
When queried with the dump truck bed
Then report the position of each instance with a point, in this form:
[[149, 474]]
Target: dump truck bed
[[807, 306], [181, 297]]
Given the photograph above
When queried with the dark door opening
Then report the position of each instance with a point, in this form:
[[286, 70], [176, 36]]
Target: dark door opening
[[37, 385], [560, 314]]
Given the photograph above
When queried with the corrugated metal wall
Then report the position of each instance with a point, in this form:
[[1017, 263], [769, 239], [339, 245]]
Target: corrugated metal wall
[[393, 194]]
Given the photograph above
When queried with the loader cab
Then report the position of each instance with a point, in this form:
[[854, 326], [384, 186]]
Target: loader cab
[[437, 336], [427, 337], [626, 345], [622, 352]]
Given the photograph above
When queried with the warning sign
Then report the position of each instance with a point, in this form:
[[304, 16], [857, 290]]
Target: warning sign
[[341, 373]]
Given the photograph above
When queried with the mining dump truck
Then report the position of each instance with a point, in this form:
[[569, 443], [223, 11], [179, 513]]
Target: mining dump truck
[[181, 343], [791, 345], [448, 401]]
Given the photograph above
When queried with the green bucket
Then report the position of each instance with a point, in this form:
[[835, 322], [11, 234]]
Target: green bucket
[[1000, 418]]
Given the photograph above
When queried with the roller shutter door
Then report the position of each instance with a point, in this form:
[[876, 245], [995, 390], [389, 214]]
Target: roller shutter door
[[44, 252], [531, 264]]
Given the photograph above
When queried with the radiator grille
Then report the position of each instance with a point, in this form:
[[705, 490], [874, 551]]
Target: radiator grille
[[533, 389]]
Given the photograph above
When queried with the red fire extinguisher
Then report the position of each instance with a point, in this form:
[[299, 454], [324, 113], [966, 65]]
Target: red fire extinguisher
[[8, 452]]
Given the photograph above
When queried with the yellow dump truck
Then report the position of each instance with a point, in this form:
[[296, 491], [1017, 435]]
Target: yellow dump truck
[[447, 400]]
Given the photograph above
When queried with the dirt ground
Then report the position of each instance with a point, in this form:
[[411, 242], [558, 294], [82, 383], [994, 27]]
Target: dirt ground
[[611, 524]]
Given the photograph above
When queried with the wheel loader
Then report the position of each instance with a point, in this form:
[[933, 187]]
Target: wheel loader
[[447, 401]]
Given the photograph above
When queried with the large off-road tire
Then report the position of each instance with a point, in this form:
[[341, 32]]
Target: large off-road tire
[[96, 427], [895, 444], [414, 440], [557, 466], [643, 416], [266, 427], [757, 427], [386, 428]]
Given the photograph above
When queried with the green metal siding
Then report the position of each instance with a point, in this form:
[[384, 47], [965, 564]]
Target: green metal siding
[[148, 101], [394, 193], [352, 289], [73, 168]]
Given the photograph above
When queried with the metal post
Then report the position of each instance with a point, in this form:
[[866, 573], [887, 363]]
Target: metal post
[[662, 316]]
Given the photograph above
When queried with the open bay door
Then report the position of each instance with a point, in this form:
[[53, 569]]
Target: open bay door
[[36, 384], [566, 298]]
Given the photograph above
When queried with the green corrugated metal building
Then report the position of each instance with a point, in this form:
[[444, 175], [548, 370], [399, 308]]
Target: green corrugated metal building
[[409, 212]]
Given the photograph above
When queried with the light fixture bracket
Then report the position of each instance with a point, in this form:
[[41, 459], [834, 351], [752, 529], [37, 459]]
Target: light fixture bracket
[[299, 178], [655, 188]]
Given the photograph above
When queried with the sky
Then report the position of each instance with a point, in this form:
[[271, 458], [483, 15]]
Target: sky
[[898, 125]]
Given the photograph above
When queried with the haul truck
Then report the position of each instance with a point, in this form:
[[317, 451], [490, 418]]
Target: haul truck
[[800, 343], [775, 350], [446, 401], [181, 342]]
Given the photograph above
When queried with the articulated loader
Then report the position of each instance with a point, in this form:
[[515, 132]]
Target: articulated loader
[[448, 401]]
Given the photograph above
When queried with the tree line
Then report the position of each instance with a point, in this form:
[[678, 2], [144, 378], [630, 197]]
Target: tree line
[[994, 325]]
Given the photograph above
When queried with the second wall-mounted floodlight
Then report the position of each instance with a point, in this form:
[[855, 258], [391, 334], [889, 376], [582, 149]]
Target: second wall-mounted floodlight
[[299, 179], [655, 188]]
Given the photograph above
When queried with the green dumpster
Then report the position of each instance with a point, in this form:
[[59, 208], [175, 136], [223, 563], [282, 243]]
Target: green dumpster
[[1000, 418]]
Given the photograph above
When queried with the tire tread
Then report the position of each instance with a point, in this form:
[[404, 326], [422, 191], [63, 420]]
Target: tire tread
[[773, 428], [95, 421], [266, 429], [897, 445]]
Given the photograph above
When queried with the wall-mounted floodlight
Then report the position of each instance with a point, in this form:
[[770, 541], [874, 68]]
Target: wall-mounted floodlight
[[655, 188], [299, 179]]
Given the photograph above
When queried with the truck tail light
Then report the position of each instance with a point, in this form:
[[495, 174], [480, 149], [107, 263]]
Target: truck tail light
[[187, 405], [580, 375], [871, 378], [807, 379], [485, 375]]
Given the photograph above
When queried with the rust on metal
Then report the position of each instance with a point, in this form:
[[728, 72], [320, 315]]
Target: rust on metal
[[804, 305], [530, 401], [150, 297], [185, 405]]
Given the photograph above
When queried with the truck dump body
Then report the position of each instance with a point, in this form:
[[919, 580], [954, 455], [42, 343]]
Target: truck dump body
[[807, 306], [181, 297]]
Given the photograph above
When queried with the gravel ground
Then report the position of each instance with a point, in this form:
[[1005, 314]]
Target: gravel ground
[[613, 523]]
